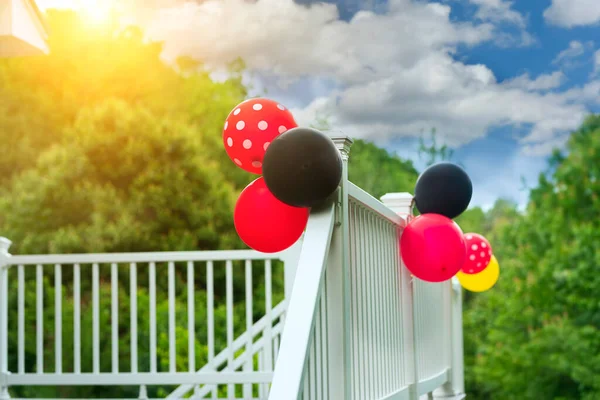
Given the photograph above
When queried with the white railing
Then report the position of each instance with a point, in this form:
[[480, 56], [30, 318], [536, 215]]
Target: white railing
[[86, 291], [358, 325]]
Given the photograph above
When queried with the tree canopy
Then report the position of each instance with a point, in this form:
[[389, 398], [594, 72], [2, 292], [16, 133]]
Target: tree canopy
[[110, 149], [537, 333]]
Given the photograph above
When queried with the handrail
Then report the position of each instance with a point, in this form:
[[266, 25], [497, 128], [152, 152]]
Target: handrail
[[163, 256], [365, 199], [295, 343]]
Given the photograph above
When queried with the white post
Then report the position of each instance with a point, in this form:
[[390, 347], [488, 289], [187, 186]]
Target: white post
[[455, 388], [4, 265], [290, 265], [338, 285], [402, 204]]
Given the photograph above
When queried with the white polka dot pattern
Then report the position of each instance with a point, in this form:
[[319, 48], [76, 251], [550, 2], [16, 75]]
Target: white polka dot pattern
[[251, 127], [479, 253]]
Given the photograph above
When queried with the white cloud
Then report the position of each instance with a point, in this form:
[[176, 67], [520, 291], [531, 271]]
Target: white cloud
[[541, 83], [500, 12], [576, 49], [586, 94], [571, 13], [393, 75]]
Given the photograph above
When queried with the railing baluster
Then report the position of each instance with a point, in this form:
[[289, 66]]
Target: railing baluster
[[324, 347], [362, 333], [57, 319], [388, 316], [369, 300], [152, 310], [384, 314], [39, 317], [398, 326], [268, 307], [229, 309], [210, 305], [306, 390], [96, 317], [312, 369], [261, 366], [191, 318], [21, 319], [133, 308], [355, 290], [249, 365], [114, 315], [172, 343], [76, 318], [390, 241], [377, 312], [3, 321], [318, 382]]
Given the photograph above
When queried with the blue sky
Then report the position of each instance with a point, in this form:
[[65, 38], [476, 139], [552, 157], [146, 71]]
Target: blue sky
[[502, 82]]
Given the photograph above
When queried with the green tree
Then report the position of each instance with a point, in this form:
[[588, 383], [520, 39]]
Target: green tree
[[378, 172], [536, 335]]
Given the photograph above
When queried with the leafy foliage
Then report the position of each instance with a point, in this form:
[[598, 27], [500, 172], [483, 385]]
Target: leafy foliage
[[112, 150], [537, 333], [378, 172]]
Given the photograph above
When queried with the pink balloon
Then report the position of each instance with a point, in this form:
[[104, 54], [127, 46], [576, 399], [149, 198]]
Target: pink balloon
[[479, 253], [433, 247]]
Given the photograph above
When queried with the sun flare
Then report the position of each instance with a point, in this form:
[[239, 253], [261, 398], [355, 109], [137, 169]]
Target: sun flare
[[96, 12]]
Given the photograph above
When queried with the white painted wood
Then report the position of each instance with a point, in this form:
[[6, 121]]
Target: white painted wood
[[156, 257], [171, 305], [401, 204], [238, 344], [39, 318], [21, 319], [373, 204], [22, 29], [152, 318], [249, 364], [114, 316], [289, 371], [430, 383], [96, 318], [359, 327], [76, 318], [58, 318], [133, 310], [229, 311], [455, 387], [141, 378], [191, 318]]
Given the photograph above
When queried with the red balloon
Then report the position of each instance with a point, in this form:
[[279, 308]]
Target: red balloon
[[265, 223], [479, 254], [433, 247], [249, 129]]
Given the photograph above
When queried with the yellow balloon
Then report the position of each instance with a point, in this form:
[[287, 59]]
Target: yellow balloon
[[483, 280]]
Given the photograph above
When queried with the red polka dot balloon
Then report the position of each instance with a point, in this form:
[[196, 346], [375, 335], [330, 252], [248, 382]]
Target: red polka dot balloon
[[479, 253], [251, 127]]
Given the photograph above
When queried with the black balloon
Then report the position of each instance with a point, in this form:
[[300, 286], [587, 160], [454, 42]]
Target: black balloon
[[302, 167], [445, 189]]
